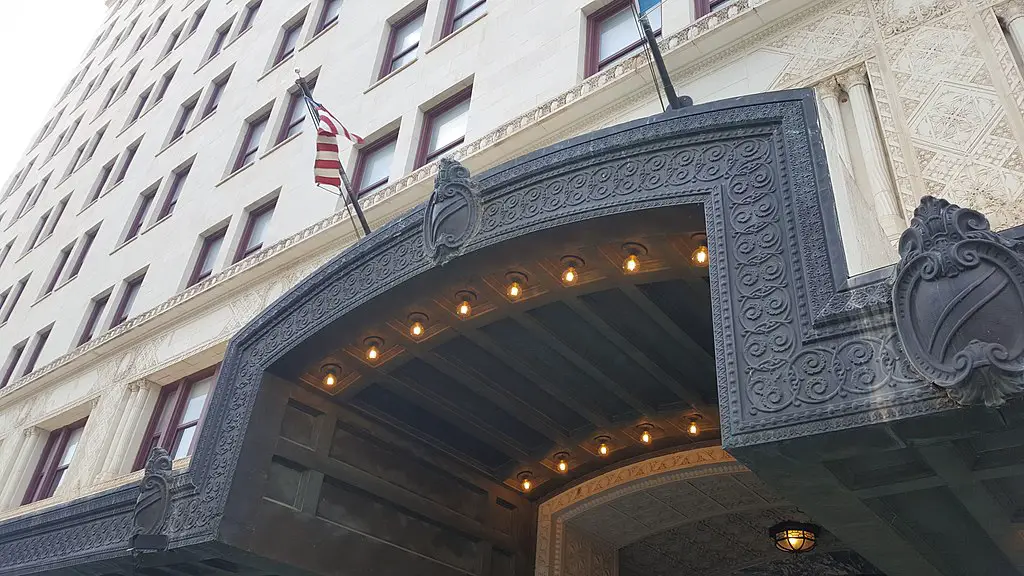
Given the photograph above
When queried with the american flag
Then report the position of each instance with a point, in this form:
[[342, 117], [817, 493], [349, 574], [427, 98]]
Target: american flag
[[327, 168]]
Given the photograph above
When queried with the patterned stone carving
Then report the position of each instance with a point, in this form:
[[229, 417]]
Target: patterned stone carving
[[958, 300], [153, 503], [452, 214], [896, 16]]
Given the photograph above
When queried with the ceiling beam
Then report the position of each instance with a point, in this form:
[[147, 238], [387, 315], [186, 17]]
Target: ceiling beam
[[612, 335], [681, 337]]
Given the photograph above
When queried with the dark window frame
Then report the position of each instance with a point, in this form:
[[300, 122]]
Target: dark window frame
[[387, 64], [169, 436], [123, 305], [593, 63], [450, 16], [216, 93], [185, 113], [126, 162], [198, 274], [178, 178], [92, 322], [295, 102], [250, 16], [42, 485], [87, 240], [63, 257], [139, 218], [15, 295], [322, 21], [702, 8], [424, 156], [244, 250], [13, 359], [38, 343], [364, 154], [283, 52], [247, 149]]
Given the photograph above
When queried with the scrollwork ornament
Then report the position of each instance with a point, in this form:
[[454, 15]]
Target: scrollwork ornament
[[452, 215], [153, 503], [958, 298]]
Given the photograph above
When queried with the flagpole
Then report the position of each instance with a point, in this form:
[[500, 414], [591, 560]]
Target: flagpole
[[345, 183]]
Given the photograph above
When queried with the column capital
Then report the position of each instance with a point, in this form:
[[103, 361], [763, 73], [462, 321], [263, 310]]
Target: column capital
[[143, 384], [856, 76], [830, 89], [1010, 11], [32, 431]]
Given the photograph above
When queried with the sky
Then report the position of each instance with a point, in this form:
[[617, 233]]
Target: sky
[[41, 44]]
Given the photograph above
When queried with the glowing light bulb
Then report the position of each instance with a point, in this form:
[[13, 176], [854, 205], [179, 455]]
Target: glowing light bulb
[[372, 353], [416, 329], [602, 449], [514, 290], [631, 264], [464, 308], [330, 379], [526, 484], [795, 543], [645, 437], [700, 255], [569, 276], [693, 430], [562, 462]]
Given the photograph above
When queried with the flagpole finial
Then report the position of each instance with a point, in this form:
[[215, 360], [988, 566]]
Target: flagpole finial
[[298, 72]]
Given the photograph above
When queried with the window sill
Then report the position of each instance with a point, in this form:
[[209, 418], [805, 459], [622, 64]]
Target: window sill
[[318, 35], [87, 206], [235, 173], [274, 68], [454, 34], [390, 74], [157, 223], [41, 298], [123, 244], [168, 145], [201, 120], [280, 144], [65, 283], [210, 59]]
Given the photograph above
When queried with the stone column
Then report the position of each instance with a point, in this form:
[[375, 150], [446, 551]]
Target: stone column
[[12, 447], [121, 453], [1012, 16], [23, 466], [879, 183], [830, 92]]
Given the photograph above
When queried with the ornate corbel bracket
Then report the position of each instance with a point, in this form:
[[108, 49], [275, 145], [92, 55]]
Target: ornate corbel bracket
[[452, 215], [958, 300], [153, 504]]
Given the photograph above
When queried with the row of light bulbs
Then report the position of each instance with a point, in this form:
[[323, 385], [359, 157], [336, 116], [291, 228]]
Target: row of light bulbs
[[603, 449], [513, 290]]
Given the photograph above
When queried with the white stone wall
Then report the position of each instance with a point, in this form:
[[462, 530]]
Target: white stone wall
[[525, 61]]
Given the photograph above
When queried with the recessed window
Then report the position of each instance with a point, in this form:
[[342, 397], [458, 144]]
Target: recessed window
[[705, 7], [184, 115], [295, 114], [165, 83], [289, 40], [613, 33], [87, 241], [219, 39], [109, 98], [404, 42], [216, 93], [174, 191], [12, 300], [156, 26], [37, 237], [373, 167], [124, 307], [197, 19], [96, 139], [140, 105], [177, 417], [126, 162], [462, 12], [12, 362], [37, 348], [58, 268], [255, 232], [56, 213], [207, 259], [445, 127], [53, 464], [251, 142], [250, 16], [76, 159], [141, 209], [172, 41], [128, 78], [329, 14], [4, 253], [92, 321], [101, 181]]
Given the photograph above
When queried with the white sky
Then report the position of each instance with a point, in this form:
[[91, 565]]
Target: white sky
[[41, 43]]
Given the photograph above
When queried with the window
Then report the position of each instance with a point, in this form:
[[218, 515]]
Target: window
[[250, 16], [156, 26], [251, 143], [138, 43], [289, 40], [174, 191], [92, 321], [165, 83], [37, 348], [255, 232], [126, 163], [37, 237], [294, 116], [101, 181], [184, 115], [58, 268], [53, 464], [196, 19], [109, 99], [445, 127], [15, 295], [207, 258], [374, 164], [4, 252], [141, 209], [216, 92], [613, 33], [36, 193], [140, 105], [57, 212], [219, 37], [328, 15], [128, 79], [462, 12], [178, 414], [172, 41], [12, 362], [76, 159], [124, 308], [403, 42], [705, 7], [96, 139], [87, 241]]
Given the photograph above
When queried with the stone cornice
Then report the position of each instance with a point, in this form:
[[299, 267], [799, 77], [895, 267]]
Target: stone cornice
[[683, 49]]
